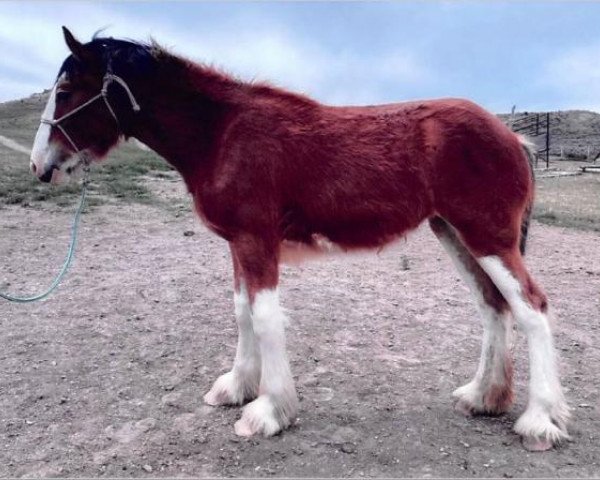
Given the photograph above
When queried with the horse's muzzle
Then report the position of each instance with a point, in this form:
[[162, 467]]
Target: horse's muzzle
[[47, 175]]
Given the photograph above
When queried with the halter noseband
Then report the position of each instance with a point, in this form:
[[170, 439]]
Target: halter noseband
[[108, 78]]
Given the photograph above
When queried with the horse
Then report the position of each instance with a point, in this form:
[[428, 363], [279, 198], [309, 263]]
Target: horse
[[280, 175]]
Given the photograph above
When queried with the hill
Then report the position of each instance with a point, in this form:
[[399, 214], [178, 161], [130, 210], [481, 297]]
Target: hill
[[576, 132], [114, 179]]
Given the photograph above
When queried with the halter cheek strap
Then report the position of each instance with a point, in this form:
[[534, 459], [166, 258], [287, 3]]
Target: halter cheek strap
[[107, 80]]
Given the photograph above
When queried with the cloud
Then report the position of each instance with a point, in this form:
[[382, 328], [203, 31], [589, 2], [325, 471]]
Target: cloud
[[575, 76], [32, 45], [301, 64], [33, 49]]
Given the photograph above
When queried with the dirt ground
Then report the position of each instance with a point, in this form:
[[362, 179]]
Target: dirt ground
[[106, 377]]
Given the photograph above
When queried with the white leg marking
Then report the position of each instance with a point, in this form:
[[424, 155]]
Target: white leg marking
[[487, 391], [491, 376], [241, 383], [277, 405], [544, 421]]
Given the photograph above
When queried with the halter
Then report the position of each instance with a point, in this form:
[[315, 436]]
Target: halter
[[106, 81]]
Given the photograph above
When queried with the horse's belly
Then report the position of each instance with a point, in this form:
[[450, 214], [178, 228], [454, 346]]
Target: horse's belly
[[294, 252]]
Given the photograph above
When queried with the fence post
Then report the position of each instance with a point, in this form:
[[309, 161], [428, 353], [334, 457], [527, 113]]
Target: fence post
[[511, 121], [547, 140]]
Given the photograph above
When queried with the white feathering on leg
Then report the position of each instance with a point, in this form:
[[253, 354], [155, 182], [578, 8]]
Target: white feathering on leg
[[277, 404]]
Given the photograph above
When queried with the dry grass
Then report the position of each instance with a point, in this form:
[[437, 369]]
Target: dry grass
[[572, 202], [119, 177]]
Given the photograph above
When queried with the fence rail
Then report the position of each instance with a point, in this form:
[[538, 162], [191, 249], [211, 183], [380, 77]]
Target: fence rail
[[535, 125]]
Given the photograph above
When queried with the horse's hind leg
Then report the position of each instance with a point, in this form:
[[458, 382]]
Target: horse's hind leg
[[544, 422], [490, 391], [241, 383], [496, 249]]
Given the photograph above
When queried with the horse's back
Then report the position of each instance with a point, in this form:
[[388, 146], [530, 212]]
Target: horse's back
[[363, 176]]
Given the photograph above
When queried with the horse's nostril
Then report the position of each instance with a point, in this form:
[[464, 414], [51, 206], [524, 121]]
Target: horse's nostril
[[47, 176], [33, 167]]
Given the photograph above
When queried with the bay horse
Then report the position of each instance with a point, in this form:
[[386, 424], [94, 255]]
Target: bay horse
[[276, 174]]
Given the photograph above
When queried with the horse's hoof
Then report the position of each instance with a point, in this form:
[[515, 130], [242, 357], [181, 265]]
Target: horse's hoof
[[468, 399], [534, 444], [243, 428], [540, 431], [465, 408], [225, 391], [495, 400], [259, 418]]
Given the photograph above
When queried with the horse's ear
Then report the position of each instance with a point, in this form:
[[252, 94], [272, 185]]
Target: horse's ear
[[74, 45]]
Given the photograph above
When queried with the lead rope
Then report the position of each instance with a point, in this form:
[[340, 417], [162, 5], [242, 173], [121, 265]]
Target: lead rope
[[70, 251], [109, 77]]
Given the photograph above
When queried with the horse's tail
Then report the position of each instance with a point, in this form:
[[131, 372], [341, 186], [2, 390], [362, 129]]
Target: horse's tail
[[530, 150]]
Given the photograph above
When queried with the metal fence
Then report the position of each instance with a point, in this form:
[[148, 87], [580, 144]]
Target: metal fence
[[535, 125]]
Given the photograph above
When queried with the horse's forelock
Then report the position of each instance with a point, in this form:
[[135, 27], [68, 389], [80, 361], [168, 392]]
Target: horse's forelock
[[113, 54], [69, 67]]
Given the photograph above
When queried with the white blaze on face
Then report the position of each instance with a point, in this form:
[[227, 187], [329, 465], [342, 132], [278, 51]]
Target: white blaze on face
[[41, 144]]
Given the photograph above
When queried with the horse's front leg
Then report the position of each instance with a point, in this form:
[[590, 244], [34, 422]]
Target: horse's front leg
[[241, 383], [277, 403]]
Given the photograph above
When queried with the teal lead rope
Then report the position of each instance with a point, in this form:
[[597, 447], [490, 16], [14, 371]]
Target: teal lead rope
[[56, 123], [70, 252]]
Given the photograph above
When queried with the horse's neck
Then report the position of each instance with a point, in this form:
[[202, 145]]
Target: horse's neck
[[182, 128]]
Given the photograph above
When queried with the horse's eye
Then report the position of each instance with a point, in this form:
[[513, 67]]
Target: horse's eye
[[62, 95]]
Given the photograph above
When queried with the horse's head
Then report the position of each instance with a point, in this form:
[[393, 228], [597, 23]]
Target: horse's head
[[81, 121]]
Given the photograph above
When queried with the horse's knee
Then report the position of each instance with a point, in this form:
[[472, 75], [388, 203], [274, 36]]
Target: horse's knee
[[267, 315]]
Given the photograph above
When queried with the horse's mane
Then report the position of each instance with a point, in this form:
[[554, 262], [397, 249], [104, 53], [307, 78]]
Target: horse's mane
[[203, 74], [185, 73]]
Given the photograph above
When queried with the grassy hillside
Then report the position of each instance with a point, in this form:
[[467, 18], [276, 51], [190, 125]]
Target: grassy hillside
[[119, 177]]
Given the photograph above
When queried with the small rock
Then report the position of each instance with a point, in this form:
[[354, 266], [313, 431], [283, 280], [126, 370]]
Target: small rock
[[348, 447], [146, 424], [147, 468], [405, 263], [171, 399], [189, 233]]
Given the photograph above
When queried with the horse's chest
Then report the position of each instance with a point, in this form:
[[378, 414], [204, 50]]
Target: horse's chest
[[218, 217]]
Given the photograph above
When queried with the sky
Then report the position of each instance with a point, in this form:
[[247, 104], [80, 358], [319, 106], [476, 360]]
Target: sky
[[537, 55]]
